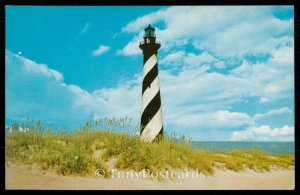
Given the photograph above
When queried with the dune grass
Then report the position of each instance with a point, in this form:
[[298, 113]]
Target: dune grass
[[81, 151]]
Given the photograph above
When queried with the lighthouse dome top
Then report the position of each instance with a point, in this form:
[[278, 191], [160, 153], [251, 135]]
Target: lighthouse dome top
[[149, 28]]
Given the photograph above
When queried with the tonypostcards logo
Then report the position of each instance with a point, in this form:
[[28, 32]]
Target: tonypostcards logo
[[147, 174]]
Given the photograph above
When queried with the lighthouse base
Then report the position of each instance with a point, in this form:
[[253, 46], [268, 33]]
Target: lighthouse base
[[160, 137]]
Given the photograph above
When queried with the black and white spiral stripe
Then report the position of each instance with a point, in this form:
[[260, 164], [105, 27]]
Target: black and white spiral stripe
[[151, 119]]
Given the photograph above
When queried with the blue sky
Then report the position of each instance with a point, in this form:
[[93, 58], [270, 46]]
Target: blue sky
[[226, 73]]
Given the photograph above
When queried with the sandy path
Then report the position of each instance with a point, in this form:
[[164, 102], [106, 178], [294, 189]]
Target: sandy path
[[18, 177]]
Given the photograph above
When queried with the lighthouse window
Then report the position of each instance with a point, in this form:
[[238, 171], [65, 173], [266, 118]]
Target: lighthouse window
[[148, 40], [149, 34]]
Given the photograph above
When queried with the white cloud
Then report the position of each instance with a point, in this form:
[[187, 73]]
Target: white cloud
[[132, 48], [173, 57], [185, 17], [100, 50], [39, 94], [31, 66], [196, 86], [35, 91], [283, 57], [247, 38], [142, 21], [121, 101], [85, 28], [109, 102], [284, 110], [203, 58], [264, 133], [271, 80], [228, 31], [223, 119]]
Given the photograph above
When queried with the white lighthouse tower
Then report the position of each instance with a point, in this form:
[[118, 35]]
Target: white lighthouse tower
[[151, 118]]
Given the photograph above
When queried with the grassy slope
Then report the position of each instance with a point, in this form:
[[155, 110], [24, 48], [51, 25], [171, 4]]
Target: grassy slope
[[75, 152]]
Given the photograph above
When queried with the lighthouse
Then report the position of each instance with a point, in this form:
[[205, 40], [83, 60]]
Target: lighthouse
[[151, 110]]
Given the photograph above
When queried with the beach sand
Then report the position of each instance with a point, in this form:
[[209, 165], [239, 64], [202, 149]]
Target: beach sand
[[20, 177]]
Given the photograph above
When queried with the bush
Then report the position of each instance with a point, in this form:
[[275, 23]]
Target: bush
[[73, 152]]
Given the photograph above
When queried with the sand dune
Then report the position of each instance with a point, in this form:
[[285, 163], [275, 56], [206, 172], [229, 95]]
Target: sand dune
[[18, 177]]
